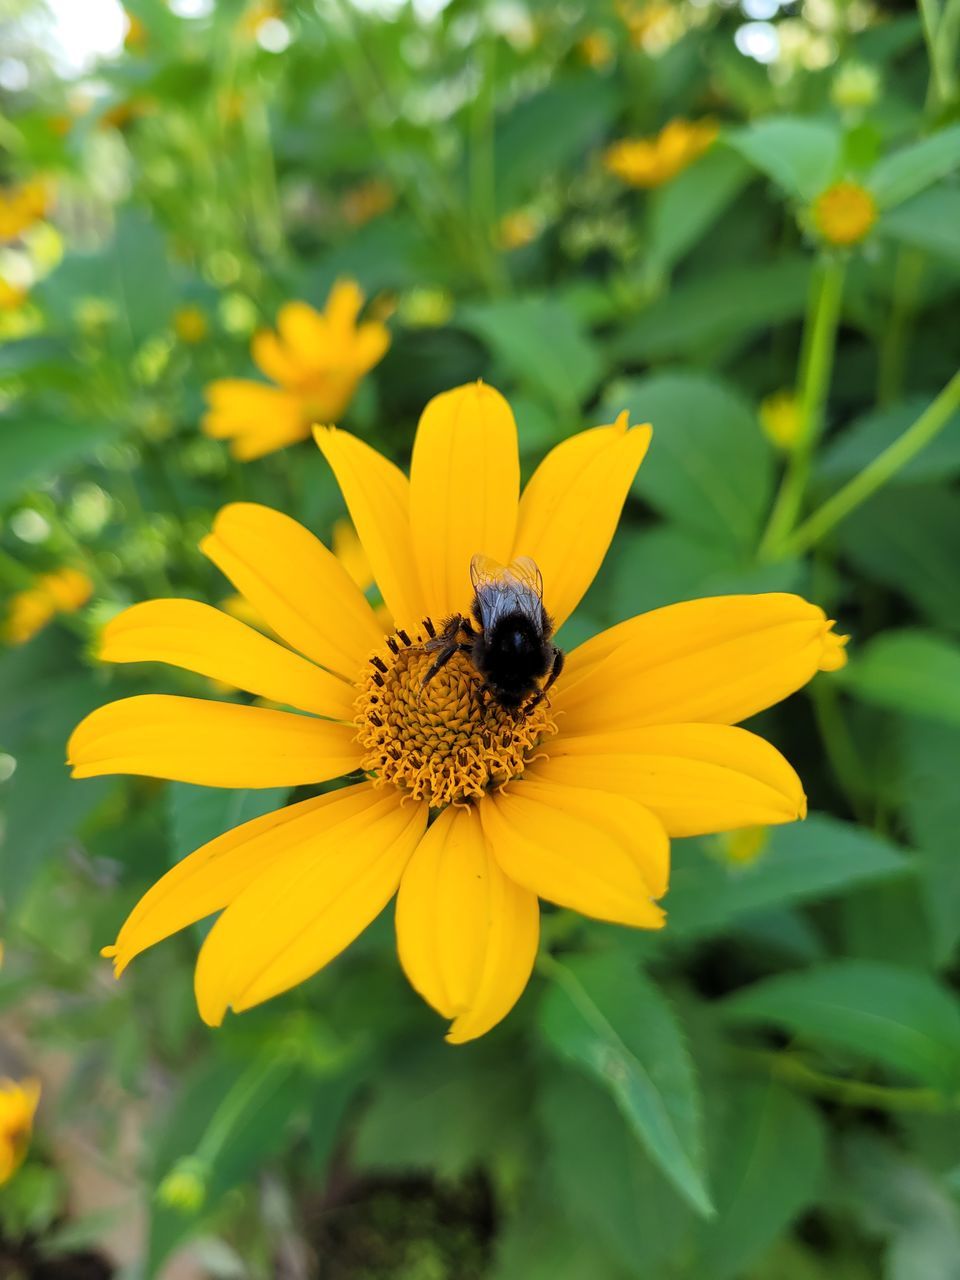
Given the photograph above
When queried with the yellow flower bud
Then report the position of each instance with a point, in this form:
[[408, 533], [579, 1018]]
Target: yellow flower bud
[[844, 213]]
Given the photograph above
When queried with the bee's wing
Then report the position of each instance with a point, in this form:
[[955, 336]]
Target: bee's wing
[[501, 589]]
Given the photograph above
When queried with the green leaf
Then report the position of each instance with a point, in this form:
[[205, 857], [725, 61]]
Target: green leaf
[[900, 1018], [717, 309], [199, 814], [33, 450], [908, 171], [540, 1241], [895, 1197], [451, 1114], [541, 343], [803, 862], [140, 277], [612, 1022], [913, 671], [801, 156], [870, 434], [929, 222], [768, 1166], [931, 802], [908, 538], [705, 441], [602, 1181], [683, 210], [682, 565], [545, 133]]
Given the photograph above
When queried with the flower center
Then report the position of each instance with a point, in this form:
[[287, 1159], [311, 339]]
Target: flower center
[[443, 741]]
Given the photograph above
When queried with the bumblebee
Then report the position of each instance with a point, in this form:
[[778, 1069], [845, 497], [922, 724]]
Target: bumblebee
[[509, 646]]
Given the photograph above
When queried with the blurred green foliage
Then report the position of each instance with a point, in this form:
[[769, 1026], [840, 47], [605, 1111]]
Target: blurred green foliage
[[770, 1087]]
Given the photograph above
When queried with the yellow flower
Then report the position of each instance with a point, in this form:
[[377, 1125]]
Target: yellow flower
[[18, 1105], [21, 206], [63, 591], [650, 162], [317, 360], [743, 846], [257, 13], [653, 26], [135, 37], [12, 296], [363, 203], [517, 229], [468, 813], [844, 213], [780, 418], [596, 49], [190, 324]]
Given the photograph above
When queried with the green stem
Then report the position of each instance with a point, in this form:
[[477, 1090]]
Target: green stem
[[840, 749], [816, 368], [930, 21], [793, 1071], [948, 37], [906, 284], [877, 473], [13, 574]]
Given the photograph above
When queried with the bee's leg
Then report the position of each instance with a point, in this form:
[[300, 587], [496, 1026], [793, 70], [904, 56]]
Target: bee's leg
[[555, 669], [448, 644], [484, 698]]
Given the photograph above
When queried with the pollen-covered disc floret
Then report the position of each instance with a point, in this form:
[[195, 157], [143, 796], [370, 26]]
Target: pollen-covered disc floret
[[442, 741]]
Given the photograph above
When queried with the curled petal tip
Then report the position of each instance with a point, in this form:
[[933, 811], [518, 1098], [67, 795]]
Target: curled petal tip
[[834, 654]]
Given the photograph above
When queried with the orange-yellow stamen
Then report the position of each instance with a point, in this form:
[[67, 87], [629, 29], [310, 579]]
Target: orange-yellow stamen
[[442, 742]]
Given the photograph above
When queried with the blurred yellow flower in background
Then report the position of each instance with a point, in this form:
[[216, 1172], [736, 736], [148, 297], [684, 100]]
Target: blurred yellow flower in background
[[743, 846], [18, 1106], [63, 591], [650, 162], [135, 37], [652, 25], [366, 201], [596, 49], [517, 229], [844, 213], [190, 324], [21, 205], [780, 418], [12, 296], [256, 14], [317, 360], [469, 813]]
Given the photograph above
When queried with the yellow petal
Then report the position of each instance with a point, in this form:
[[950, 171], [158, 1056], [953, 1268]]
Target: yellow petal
[[464, 486], [306, 908], [716, 660], [239, 404], [209, 879], [571, 505], [305, 334], [696, 778], [377, 495], [369, 346], [303, 593], [343, 306], [273, 358], [255, 418], [467, 936], [348, 549], [599, 853], [185, 633], [214, 744]]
